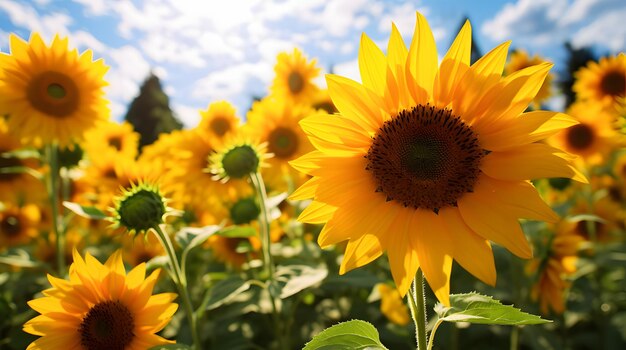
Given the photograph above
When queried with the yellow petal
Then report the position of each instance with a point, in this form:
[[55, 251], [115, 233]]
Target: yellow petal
[[317, 213], [353, 101], [471, 251], [453, 67], [372, 65], [396, 59], [422, 60], [306, 191], [360, 251], [434, 249], [403, 259]]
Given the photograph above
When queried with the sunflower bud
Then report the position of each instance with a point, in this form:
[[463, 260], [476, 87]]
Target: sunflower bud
[[140, 208]]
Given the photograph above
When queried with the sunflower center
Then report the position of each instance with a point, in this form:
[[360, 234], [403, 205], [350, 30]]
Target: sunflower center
[[327, 106], [8, 162], [116, 142], [425, 158], [580, 136], [585, 228], [54, 94], [220, 126], [283, 142], [296, 82], [614, 83], [10, 226], [244, 211], [108, 325]]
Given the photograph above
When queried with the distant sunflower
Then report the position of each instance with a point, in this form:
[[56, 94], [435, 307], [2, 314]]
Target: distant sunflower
[[219, 120], [392, 306], [51, 93], [111, 137], [520, 60], [430, 164], [593, 138], [275, 122], [294, 77], [602, 82], [101, 307], [18, 225], [554, 268], [322, 101]]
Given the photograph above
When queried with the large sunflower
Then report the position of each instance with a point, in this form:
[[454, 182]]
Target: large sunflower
[[51, 93], [430, 164], [101, 307], [602, 82], [294, 77]]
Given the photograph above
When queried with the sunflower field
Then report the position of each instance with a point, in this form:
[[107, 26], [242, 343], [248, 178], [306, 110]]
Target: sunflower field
[[435, 204]]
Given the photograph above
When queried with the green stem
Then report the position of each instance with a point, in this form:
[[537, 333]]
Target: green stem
[[432, 334], [181, 283], [268, 263], [515, 338], [52, 155], [417, 305]]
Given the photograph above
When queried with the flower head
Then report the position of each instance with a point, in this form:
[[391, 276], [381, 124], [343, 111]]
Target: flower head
[[101, 307], [51, 93], [139, 208], [430, 162]]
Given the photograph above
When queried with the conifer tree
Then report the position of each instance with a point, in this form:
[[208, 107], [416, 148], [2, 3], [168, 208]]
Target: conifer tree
[[150, 112]]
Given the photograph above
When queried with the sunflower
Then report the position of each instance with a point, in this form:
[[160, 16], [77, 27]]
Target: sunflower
[[602, 82], [520, 60], [592, 139], [553, 270], [101, 307], [294, 77], [430, 164], [392, 306], [219, 120], [51, 93], [18, 225], [275, 122], [111, 137], [238, 157]]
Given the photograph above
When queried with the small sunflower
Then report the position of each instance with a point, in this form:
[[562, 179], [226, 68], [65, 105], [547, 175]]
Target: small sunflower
[[392, 306], [520, 60], [554, 268], [111, 137], [294, 77], [593, 138], [430, 162], [18, 225], [238, 158], [101, 307], [275, 122], [51, 93], [602, 82], [139, 208], [219, 119]]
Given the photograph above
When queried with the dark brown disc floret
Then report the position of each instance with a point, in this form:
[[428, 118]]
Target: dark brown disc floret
[[425, 158], [108, 325]]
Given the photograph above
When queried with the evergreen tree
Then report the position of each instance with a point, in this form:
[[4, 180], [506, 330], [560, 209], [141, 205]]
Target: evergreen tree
[[150, 112], [576, 59]]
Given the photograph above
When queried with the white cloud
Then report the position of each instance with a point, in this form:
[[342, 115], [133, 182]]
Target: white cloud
[[608, 30], [349, 69], [86, 40], [24, 16], [228, 83], [4, 41], [189, 116], [94, 7], [526, 18]]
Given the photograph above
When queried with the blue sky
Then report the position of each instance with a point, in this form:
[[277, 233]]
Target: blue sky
[[209, 50]]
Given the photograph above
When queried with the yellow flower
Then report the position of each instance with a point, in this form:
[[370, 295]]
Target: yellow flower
[[237, 158], [553, 269], [392, 306], [520, 60], [101, 307], [294, 78], [51, 93], [430, 164], [219, 120], [114, 138], [602, 82], [275, 122], [18, 225], [593, 138]]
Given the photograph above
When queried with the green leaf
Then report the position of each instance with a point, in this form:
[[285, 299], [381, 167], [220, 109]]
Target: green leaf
[[237, 232], [86, 212], [351, 335], [299, 277], [171, 347], [224, 291], [478, 308], [23, 153], [191, 237]]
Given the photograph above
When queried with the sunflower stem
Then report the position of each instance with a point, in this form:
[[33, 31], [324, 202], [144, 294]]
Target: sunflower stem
[[181, 283], [417, 305], [52, 156], [268, 263]]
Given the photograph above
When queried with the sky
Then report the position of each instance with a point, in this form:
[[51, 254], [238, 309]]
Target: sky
[[209, 50]]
